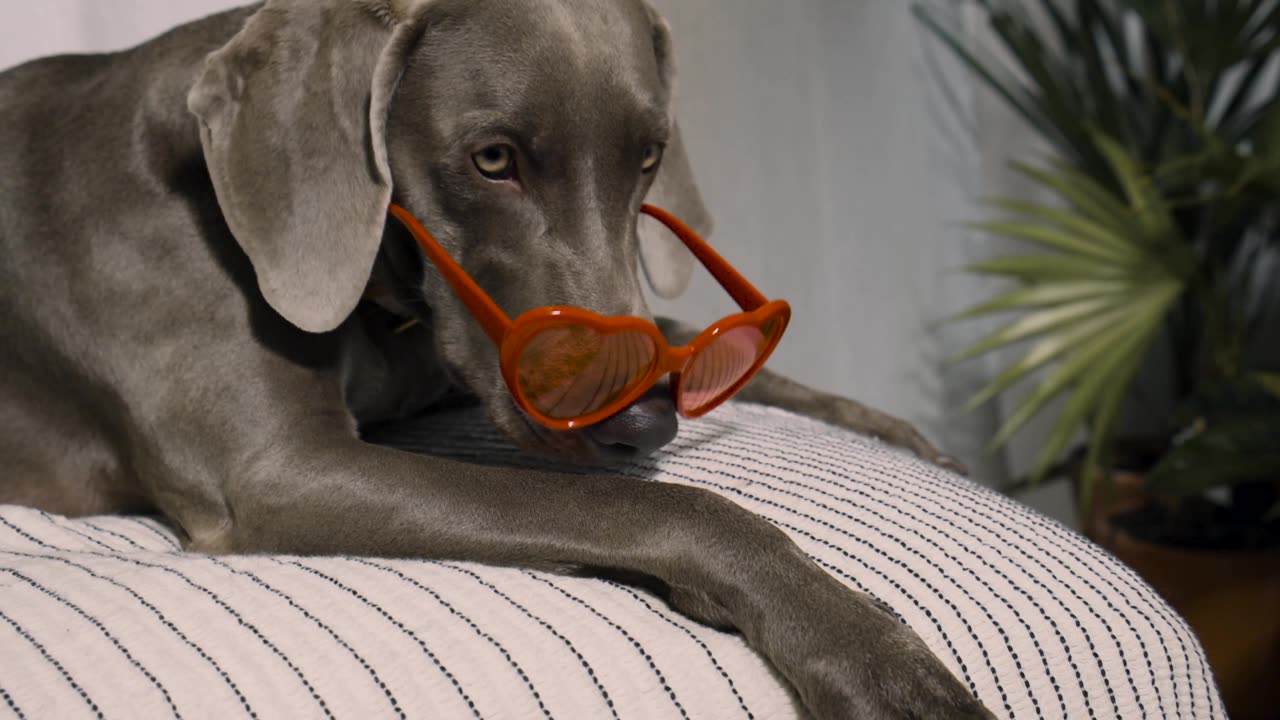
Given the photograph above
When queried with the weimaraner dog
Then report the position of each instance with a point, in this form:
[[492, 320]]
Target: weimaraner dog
[[202, 303]]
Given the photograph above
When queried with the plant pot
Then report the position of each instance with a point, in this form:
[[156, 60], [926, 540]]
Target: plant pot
[[1230, 599]]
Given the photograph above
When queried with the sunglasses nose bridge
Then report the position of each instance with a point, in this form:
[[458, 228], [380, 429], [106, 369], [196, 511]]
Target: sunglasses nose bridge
[[676, 360]]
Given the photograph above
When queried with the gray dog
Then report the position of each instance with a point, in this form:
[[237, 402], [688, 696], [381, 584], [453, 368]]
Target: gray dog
[[189, 232]]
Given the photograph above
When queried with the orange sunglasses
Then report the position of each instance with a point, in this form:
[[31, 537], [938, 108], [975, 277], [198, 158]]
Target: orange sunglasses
[[569, 368]]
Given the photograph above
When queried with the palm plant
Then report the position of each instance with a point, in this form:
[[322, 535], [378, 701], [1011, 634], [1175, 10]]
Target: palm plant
[[1164, 119]]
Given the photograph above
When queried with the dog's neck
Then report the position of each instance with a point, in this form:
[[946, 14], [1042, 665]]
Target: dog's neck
[[387, 286], [383, 297]]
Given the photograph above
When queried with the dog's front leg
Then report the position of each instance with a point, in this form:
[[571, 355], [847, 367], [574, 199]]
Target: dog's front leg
[[770, 388], [723, 564]]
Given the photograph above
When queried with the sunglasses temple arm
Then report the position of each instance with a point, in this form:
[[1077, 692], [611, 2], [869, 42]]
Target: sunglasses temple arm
[[482, 307], [742, 292]]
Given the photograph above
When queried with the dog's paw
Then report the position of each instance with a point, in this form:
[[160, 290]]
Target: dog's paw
[[873, 666], [907, 685]]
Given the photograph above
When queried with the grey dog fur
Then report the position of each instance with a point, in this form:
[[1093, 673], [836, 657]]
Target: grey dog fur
[[187, 229]]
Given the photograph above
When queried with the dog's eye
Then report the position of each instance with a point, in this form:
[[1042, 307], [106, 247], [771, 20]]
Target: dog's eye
[[496, 162], [652, 156]]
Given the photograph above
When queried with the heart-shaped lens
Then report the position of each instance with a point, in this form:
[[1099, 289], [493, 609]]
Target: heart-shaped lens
[[720, 366], [570, 371]]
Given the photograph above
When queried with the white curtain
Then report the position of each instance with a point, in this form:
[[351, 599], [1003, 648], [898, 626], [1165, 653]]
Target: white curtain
[[838, 159]]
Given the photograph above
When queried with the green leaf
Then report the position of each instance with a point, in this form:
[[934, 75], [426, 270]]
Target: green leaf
[[1103, 238], [1037, 323], [1056, 95], [1112, 107], [1153, 212], [1043, 294], [1097, 305], [1088, 196], [1047, 268], [1228, 452], [1242, 92], [1059, 240], [1098, 393], [1042, 353], [1110, 402], [1270, 381], [1266, 166], [1079, 361], [1092, 358]]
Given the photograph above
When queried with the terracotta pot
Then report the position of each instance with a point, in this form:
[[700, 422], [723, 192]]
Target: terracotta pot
[[1231, 600]]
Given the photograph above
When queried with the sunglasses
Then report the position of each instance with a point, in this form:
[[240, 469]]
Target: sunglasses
[[569, 368]]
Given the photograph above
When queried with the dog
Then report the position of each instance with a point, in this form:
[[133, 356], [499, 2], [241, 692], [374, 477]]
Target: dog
[[203, 303]]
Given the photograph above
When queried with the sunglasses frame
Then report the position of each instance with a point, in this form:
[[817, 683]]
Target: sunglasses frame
[[512, 337]]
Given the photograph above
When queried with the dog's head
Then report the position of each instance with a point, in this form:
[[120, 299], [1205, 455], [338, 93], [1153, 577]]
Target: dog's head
[[525, 134]]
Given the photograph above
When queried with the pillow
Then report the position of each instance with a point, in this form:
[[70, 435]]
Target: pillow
[[107, 617]]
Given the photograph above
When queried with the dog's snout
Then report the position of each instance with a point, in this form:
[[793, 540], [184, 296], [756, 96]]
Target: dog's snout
[[645, 426]]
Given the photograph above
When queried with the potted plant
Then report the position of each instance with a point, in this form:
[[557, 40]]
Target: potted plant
[[1163, 242]]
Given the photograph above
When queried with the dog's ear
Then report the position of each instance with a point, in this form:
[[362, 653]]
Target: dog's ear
[[667, 262], [292, 113]]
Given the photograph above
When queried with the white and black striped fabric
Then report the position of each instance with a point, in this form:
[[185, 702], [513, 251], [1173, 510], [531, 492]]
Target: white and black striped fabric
[[106, 617]]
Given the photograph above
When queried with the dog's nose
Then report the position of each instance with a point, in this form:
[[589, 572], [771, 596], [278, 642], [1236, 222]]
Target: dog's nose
[[646, 425]]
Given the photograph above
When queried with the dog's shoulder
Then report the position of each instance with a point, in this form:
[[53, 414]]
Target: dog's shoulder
[[100, 159]]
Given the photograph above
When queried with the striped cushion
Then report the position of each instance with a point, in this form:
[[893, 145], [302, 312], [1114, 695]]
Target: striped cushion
[[105, 617]]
